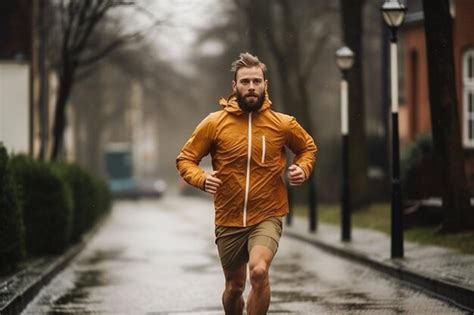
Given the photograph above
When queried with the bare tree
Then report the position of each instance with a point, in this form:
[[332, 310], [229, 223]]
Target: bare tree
[[78, 22], [458, 214], [351, 18], [294, 35]]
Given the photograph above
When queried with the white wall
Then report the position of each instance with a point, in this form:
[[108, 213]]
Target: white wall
[[14, 106]]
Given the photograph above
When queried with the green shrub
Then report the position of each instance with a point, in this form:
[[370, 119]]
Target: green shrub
[[82, 187], [98, 199], [12, 234], [105, 197], [91, 197], [419, 170], [47, 206]]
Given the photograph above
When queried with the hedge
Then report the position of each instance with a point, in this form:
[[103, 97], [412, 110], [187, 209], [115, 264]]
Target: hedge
[[12, 234], [420, 170], [47, 206], [87, 195]]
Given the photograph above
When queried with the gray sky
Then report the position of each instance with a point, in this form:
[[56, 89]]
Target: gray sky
[[184, 18]]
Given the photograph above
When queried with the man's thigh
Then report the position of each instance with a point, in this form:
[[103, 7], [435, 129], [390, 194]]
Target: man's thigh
[[236, 244], [232, 246], [266, 234]]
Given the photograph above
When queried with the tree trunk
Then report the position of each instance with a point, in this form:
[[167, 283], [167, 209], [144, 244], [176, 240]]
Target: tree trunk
[[458, 214], [358, 180], [65, 85], [285, 51]]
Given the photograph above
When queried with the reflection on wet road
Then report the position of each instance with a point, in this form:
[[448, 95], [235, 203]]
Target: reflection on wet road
[[159, 257]]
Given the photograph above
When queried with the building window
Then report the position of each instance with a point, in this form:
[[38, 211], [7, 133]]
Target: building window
[[468, 98]]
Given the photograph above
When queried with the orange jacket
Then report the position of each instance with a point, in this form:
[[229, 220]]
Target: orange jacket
[[248, 151]]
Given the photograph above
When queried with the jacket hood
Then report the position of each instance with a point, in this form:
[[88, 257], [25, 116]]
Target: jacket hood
[[231, 105]]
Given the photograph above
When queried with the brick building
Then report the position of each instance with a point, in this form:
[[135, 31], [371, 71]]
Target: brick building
[[415, 112]]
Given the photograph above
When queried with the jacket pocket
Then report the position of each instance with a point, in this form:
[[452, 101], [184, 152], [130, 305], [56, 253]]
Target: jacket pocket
[[266, 151]]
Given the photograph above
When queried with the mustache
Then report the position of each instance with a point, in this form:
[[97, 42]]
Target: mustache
[[251, 94]]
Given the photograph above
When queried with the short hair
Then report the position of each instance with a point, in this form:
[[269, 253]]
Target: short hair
[[247, 60]]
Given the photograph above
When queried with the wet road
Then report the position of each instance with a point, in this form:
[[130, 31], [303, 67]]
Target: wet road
[[159, 257]]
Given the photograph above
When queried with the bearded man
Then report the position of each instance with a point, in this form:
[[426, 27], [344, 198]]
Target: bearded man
[[247, 140]]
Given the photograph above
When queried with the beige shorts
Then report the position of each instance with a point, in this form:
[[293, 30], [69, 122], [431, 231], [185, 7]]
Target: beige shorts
[[235, 243]]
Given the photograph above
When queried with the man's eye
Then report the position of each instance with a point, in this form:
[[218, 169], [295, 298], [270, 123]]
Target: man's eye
[[245, 81]]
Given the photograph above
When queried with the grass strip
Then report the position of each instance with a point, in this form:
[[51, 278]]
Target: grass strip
[[377, 217]]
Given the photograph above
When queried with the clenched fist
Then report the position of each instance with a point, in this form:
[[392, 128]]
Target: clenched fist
[[212, 183], [296, 175]]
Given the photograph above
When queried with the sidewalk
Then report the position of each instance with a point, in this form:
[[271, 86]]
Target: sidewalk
[[441, 272], [18, 289]]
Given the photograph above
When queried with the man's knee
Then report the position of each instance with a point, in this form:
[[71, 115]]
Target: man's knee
[[235, 288], [258, 276]]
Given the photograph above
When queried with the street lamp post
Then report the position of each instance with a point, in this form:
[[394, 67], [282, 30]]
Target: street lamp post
[[345, 60], [393, 13]]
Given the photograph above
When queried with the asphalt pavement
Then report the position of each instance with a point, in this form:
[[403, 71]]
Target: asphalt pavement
[[159, 257]]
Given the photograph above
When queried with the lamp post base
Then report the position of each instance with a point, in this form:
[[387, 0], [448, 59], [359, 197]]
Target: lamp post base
[[397, 216]]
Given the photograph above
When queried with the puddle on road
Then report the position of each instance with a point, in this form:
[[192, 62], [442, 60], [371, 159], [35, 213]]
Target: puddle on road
[[199, 269], [342, 301], [78, 299], [88, 275], [291, 275], [209, 267], [292, 283], [100, 256], [279, 296], [198, 310]]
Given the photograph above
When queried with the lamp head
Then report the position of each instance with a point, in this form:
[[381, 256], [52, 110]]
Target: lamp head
[[393, 12], [344, 58]]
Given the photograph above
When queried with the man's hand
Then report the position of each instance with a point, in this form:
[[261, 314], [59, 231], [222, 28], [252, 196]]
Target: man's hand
[[212, 183], [296, 175]]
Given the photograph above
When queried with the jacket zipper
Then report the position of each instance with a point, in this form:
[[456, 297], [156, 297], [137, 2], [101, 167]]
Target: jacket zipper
[[247, 179], [263, 149]]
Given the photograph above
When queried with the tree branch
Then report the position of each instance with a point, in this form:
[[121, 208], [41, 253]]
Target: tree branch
[[93, 19], [85, 73], [113, 45]]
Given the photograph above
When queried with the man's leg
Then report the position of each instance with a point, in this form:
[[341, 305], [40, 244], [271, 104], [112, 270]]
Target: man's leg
[[259, 264], [234, 287]]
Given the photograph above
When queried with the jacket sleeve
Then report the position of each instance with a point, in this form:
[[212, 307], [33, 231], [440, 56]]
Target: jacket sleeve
[[197, 147], [302, 145]]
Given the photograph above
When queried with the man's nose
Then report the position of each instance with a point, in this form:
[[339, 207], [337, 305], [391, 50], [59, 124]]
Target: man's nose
[[251, 86]]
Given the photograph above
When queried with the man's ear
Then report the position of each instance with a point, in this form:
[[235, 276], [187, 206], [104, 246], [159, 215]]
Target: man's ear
[[234, 86], [266, 85]]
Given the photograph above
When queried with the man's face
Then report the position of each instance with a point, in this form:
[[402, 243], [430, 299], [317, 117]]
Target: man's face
[[250, 87]]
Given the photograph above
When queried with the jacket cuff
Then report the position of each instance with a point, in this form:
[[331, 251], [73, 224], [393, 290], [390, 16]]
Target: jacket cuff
[[202, 182]]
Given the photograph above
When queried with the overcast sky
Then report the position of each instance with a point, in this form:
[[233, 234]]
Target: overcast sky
[[183, 20]]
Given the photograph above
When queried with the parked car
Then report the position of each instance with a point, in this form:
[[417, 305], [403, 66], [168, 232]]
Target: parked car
[[135, 189]]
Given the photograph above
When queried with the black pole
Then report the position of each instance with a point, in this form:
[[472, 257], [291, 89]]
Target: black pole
[[289, 216], [397, 217], [346, 214], [345, 197], [313, 210], [385, 118], [43, 106]]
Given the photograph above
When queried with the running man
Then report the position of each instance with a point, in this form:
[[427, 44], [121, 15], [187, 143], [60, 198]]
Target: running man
[[247, 140]]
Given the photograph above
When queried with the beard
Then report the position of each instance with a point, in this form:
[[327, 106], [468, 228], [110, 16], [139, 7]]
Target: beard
[[250, 106]]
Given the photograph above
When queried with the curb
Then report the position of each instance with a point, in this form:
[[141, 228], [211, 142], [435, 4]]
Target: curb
[[457, 294], [20, 299]]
